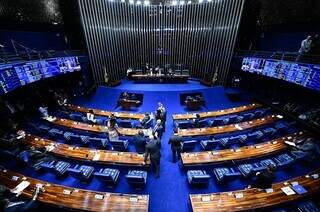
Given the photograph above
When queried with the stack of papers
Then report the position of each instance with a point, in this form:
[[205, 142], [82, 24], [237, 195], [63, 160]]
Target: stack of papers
[[206, 198], [238, 195], [287, 190], [96, 157], [20, 187]]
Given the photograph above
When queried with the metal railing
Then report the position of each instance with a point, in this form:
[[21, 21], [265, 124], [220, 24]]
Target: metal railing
[[280, 55]]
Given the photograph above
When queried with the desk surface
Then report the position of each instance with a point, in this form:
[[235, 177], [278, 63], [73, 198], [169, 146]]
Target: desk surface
[[217, 113], [121, 115], [87, 154], [228, 128], [78, 198], [253, 198], [246, 152], [91, 127]]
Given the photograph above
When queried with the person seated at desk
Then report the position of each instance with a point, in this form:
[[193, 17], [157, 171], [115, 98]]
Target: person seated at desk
[[309, 147], [189, 99], [196, 121], [90, 116], [43, 109], [144, 122], [139, 142], [176, 145], [158, 129], [125, 96], [35, 156], [9, 201], [112, 121], [10, 144], [265, 178]]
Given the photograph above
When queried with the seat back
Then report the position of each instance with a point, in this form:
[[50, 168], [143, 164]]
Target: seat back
[[189, 145]]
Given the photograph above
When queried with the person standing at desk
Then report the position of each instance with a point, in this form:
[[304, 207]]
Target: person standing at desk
[[176, 145], [158, 129], [44, 111], [139, 142], [153, 151], [265, 178], [196, 121], [113, 128], [90, 116]]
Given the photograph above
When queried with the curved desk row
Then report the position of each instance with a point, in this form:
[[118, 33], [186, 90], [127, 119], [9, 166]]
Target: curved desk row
[[250, 199], [120, 115], [90, 127], [229, 128], [73, 198], [242, 153], [86, 154], [217, 113]]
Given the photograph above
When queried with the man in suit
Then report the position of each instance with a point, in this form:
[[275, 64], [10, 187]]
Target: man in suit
[[265, 178], [158, 129], [153, 151], [196, 121], [139, 142], [176, 144], [145, 120]]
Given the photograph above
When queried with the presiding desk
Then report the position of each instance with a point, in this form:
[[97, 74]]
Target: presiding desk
[[250, 199], [74, 198], [86, 154], [120, 115], [228, 128], [242, 153], [159, 78], [217, 113], [128, 103], [90, 127]]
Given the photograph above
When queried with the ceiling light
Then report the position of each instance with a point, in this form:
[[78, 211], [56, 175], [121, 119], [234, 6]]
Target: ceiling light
[[138, 2], [174, 3], [123, 1], [200, 1], [189, 2], [131, 2], [209, 0], [146, 2], [181, 2]]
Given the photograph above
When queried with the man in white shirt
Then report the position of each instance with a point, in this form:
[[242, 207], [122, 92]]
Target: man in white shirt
[[44, 111], [90, 116]]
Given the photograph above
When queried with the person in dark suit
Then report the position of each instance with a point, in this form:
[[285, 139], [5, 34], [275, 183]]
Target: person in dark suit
[[112, 123], [176, 145], [196, 121], [153, 151], [158, 129], [139, 142], [265, 178], [145, 120]]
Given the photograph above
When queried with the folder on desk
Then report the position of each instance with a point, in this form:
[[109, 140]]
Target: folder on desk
[[20, 187], [287, 190], [299, 189]]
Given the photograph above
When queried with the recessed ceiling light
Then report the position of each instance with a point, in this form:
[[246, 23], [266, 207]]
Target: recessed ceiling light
[[138, 2], [146, 2], [174, 3], [181, 2]]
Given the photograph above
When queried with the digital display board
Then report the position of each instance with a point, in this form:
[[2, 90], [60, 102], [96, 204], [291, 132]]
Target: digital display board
[[16, 75], [306, 75]]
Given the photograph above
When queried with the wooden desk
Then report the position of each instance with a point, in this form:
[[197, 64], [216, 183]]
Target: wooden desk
[[120, 115], [228, 128], [159, 78], [91, 127], [128, 103], [242, 153], [253, 198], [87, 154], [217, 113], [79, 199]]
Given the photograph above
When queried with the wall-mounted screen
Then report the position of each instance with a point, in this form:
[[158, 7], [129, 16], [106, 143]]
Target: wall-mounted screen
[[307, 75], [16, 75]]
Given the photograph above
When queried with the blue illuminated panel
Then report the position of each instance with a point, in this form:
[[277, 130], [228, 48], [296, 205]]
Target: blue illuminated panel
[[16, 75], [307, 75]]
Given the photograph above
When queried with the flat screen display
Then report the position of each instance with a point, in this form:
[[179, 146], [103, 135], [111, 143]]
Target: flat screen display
[[306, 75], [16, 75]]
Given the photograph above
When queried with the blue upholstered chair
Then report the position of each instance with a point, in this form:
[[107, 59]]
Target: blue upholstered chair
[[224, 141], [124, 123], [198, 177], [241, 138], [218, 121], [258, 114], [85, 139], [56, 134], [226, 174], [250, 169], [189, 145], [247, 116], [120, 145], [78, 117], [281, 127], [308, 206], [284, 160], [47, 166], [63, 114], [44, 129], [269, 131], [255, 135], [109, 176], [101, 142], [61, 167], [81, 172], [208, 144], [137, 178], [234, 118], [299, 155]]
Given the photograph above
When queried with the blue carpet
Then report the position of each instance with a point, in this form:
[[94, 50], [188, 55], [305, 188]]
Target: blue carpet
[[171, 191]]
